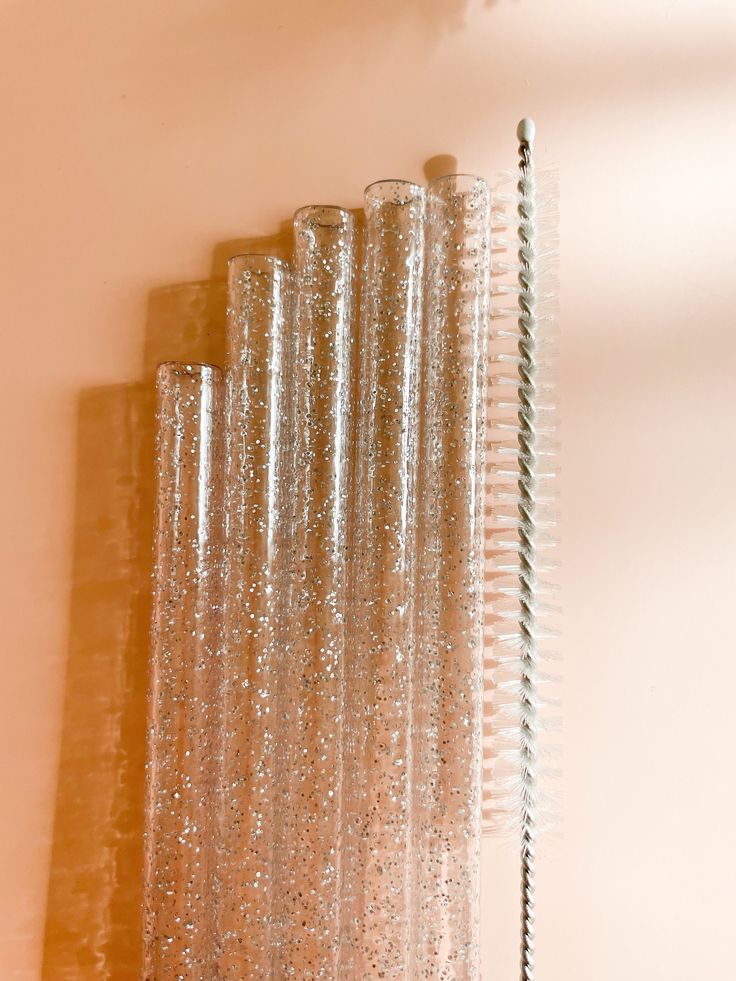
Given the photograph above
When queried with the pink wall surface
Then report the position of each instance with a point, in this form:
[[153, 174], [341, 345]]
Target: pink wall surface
[[144, 142]]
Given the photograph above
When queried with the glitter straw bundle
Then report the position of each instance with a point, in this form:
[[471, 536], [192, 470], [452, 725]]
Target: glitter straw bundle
[[315, 764]]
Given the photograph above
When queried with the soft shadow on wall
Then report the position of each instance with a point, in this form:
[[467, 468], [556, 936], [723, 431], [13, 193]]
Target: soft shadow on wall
[[434, 16], [96, 843]]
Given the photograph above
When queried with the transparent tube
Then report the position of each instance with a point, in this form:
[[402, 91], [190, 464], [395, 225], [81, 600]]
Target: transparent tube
[[377, 871], [185, 725], [309, 861], [449, 662], [259, 494]]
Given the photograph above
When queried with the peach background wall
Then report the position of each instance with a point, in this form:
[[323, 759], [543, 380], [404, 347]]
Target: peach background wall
[[144, 141]]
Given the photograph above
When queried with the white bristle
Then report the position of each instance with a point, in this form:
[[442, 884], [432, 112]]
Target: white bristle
[[520, 590]]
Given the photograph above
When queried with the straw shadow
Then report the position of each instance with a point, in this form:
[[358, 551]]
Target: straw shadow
[[440, 165], [278, 244], [93, 898]]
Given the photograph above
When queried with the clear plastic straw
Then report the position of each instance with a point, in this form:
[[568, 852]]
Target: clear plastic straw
[[259, 493], [448, 692], [307, 879], [377, 869], [185, 723]]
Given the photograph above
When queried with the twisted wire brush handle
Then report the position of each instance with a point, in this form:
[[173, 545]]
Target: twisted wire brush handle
[[527, 459]]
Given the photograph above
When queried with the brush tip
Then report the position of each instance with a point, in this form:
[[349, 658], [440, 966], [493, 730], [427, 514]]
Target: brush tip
[[526, 130]]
